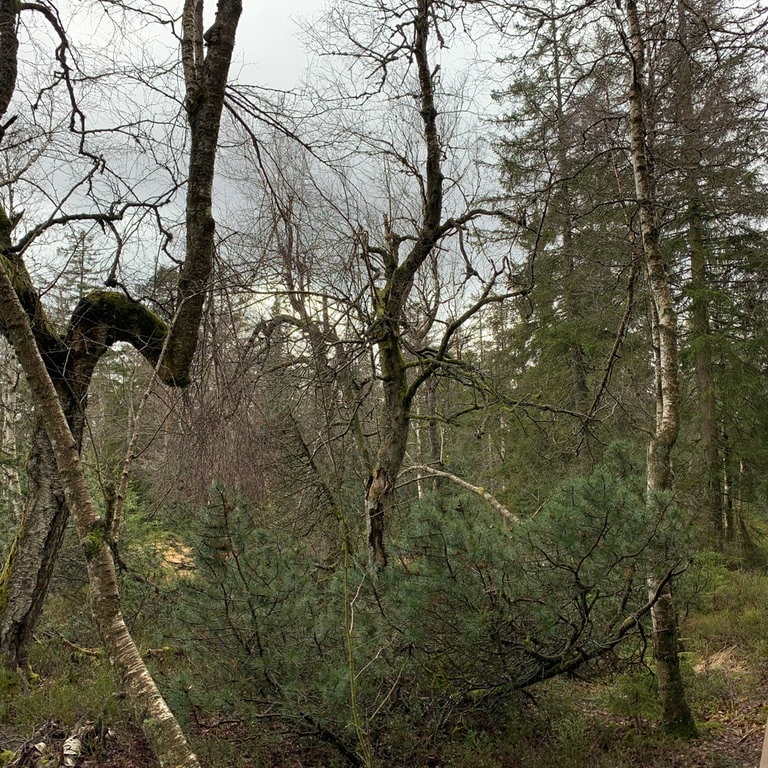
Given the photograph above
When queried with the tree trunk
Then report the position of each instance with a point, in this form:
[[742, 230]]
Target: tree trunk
[[579, 389], [701, 337], [159, 725], [28, 568], [705, 384], [104, 318], [394, 438], [434, 431], [9, 400], [98, 321], [677, 717], [391, 301]]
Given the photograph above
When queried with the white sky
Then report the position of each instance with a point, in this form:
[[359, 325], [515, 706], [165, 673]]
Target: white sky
[[269, 51]]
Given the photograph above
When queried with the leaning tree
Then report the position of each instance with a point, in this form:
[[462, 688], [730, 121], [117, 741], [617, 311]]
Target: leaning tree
[[59, 362]]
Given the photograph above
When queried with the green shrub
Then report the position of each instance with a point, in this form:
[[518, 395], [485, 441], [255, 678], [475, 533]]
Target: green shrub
[[85, 691], [734, 614], [468, 612], [633, 695]]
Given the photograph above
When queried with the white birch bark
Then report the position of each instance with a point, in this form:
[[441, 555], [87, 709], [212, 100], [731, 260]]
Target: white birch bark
[[677, 716], [9, 383]]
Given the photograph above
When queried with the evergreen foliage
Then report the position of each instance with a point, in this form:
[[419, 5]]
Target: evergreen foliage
[[395, 324], [470, 611]]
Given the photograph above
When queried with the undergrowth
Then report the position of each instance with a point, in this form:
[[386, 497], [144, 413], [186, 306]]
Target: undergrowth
[[605, 718]]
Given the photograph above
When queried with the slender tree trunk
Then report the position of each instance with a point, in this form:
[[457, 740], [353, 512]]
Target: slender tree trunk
[[104, 318], [580, 392], [9, 401], [729, 491], [28, 568], [701, 337], [159, 725], [705, 383], [434, 431], [419, 452], [394, 438], [677, 717]]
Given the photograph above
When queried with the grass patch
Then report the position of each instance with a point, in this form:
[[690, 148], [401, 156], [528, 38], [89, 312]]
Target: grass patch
[[66, 687]]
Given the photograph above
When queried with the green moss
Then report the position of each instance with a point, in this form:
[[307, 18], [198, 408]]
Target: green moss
[[94, 539], [45, 332], [124, 314], [123, 319]]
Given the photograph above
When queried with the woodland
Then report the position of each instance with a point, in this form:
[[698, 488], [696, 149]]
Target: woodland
[[414, 416]]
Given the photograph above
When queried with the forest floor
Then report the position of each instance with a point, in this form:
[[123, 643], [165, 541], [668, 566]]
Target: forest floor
[[730, 737], [609, 720]]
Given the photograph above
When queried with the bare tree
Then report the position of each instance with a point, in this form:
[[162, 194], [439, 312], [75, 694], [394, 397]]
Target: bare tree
[[59, 366], [395, 50]]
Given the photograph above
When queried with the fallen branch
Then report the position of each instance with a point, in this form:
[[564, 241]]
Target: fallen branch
[[510, 517]]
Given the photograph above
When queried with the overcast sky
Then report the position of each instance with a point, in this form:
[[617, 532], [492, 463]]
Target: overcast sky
[[268, 46]]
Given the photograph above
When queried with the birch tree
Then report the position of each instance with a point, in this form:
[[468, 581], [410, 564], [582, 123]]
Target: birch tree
[[59, 365], [677, 716]]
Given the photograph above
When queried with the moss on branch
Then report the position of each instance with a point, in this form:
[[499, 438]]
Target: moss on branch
[[103, 318]]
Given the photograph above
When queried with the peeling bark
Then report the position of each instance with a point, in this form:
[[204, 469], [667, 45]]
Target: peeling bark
[[9, 466], [677, 717], [159, 724]]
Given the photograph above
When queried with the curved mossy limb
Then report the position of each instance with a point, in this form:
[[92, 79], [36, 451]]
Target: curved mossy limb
[[103, 318]]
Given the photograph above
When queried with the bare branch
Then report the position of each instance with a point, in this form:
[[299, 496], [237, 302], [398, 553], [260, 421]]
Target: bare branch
[[510, 517]]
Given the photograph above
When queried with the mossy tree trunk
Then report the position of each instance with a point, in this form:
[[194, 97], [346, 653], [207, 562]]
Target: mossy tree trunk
[[677, 717], [402, 255], [29, 565], [104, 318], [99, 320]]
